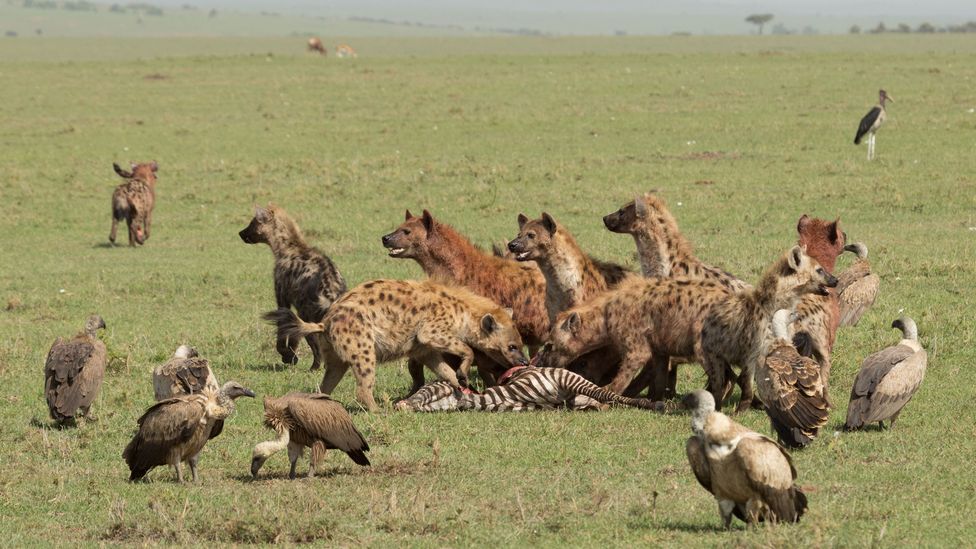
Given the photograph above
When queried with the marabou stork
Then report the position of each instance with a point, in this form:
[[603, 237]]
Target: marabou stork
[[872, 121]]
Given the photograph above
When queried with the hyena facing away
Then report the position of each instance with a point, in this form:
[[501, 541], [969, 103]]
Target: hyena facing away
[[656, 318], [133, 201], [383, 320], [304, 277]]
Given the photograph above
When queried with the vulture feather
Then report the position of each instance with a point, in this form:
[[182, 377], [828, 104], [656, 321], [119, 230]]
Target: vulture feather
[[790, 386], [73, 372], [857, 287], [751, 476], [887, 380], [308, 420]]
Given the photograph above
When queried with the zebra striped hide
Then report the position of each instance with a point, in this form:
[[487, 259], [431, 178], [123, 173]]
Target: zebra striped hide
[[527, 389]]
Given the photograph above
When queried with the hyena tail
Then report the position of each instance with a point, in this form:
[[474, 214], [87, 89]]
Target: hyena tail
[[121, 172], [607, 396], [290, 326]]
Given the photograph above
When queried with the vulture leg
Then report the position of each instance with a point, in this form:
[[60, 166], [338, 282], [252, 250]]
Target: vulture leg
[[754, 508], [295, 451], [179, 469], [193, 466], [334, 370], [725, 508], [315, 457], [893, 419]]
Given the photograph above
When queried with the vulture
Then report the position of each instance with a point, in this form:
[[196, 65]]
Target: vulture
[[184, 374], [887, 380], [750, 475], [176, 429], [308, 420], [73, 372], [790, 386], [857, 287]]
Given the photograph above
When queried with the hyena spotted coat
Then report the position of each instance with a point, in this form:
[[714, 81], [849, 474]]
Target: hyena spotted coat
[[133, 201], [656, 318], [819, 315], [304, 277], [384, 320]]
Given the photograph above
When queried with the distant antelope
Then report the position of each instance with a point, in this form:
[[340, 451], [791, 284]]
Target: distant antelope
[[315, 44], [345, 50]]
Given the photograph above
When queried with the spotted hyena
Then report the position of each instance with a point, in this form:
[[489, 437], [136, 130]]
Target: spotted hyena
[[656, 318], [304, 277], [134, 200], [384, 320]]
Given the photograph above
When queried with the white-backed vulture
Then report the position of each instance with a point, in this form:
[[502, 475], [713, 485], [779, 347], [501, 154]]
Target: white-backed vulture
[[176, 429], [790, 387], [308, 420], [750, 475], [887, 380], [73, 372], [184, 374], [857, 287]]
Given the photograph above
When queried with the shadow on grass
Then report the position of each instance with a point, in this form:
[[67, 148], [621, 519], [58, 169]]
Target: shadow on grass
[[695, 528], [54, 425], [270, 367], [106, 245]]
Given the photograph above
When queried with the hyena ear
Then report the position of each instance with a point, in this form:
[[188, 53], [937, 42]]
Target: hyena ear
[[835, 233], [261, 214], [428, 221], [522, 220], [795, 257], [154, 166], [409, 216], [640, 207], [572, 323], [488, 324], [509, 311], [802, 223], [549, 223]]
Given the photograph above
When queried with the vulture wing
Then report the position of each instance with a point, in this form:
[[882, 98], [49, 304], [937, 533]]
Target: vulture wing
[[857, 298], [183, 376], [790, 387], [325, 419], [695, 450], [866, 123], [769, 470], [894, 391], [63, 380], [873, 370], [165, 424]]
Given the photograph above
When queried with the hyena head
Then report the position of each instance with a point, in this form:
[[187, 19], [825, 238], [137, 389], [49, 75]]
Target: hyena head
[[798, 274], [410, 238], [497, 337], [145, 171], [823, 239], [439, 396], [535, 238], [636, 216], [567, 341], [262, 227]]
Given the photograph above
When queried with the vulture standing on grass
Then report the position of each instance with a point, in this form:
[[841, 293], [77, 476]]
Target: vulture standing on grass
[[308, 420], [73, 372], [791, 389], [176, 429], [888, 379], [750, 475], [857, 287]]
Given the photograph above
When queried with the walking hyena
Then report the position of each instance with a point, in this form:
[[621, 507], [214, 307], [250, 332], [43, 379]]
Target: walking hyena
[[383, 320], [304, 277], [656, 318], [819, 315], [134, 200]]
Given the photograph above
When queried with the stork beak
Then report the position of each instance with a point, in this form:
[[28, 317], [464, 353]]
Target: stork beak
[[889, 98]]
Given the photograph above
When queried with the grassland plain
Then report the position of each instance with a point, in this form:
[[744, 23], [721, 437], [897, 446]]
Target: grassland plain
[[740, 135]]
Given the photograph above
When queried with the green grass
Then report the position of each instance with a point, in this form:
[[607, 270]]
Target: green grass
[[476, 138]]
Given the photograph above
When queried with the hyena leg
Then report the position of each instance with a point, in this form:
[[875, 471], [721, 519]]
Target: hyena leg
[[416, 369], [335, 368], [644, 380], [313, 344], [662, 389], [437, 364], [132, 232], [633, 359], [148, 222], [365, 371], [112, 233], [448, 344], [718, 383]]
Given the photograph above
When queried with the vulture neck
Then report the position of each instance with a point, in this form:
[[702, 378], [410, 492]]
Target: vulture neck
[[698, 422], [279, 443]]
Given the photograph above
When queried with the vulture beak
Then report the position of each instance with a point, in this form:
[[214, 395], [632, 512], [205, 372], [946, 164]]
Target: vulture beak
[[102, 325], [850, 248], [249, 393], [256, 464]]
